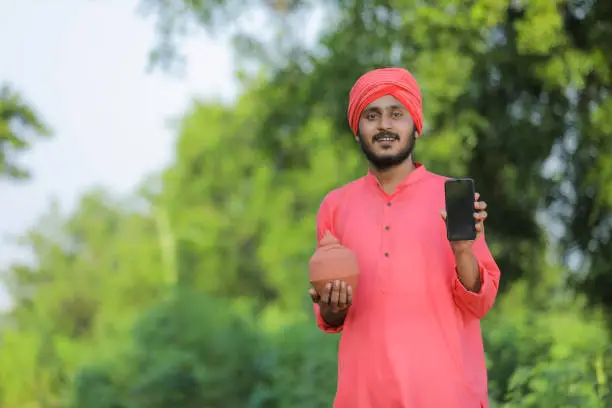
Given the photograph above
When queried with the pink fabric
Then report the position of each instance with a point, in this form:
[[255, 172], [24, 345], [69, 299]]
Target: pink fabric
[[385, 81], [412, 337]]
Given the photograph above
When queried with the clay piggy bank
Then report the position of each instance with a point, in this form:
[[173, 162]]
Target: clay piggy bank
[[331, 261]]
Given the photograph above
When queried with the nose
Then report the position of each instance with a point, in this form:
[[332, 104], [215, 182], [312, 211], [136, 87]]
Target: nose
[[385, 123]]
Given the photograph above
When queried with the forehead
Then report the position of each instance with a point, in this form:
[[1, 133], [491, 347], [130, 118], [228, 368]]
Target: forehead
[[384, 102]]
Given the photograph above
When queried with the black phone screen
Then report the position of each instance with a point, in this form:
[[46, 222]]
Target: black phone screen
[[460, 222]]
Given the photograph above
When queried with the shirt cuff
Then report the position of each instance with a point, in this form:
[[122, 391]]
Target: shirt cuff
[[462, 290]]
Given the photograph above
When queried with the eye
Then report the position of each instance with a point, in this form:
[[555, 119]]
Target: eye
[[372, 116], [397, 114]]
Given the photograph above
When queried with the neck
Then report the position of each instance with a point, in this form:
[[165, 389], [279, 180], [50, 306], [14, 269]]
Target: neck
[[390, 178]]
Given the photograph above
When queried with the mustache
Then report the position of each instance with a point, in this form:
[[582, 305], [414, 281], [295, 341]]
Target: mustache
[[383, 135]]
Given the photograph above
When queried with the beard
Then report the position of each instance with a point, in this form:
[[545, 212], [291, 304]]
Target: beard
[[386, 162]]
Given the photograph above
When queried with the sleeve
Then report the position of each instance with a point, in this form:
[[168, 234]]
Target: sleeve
[[325, 223], [478, 304]]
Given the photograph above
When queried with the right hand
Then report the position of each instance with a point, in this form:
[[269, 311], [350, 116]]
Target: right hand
[[337, 297]]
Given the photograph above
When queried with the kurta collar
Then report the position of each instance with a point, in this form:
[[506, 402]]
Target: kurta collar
[[414, 176]]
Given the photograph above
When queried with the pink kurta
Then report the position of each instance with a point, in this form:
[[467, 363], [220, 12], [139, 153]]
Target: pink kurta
[[412, 337]]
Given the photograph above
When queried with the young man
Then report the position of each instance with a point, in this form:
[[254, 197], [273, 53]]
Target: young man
[[411, 333]]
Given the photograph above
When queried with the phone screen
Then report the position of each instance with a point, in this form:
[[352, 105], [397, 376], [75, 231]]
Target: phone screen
[[460, 222]]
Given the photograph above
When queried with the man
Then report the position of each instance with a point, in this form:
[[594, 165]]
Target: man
[[411, 333]]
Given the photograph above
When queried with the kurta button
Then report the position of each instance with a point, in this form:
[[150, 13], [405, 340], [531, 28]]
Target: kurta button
[[387, 254], [387, 228], [389, 203]]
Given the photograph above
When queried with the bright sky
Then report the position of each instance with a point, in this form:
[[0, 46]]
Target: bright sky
[[82, 66]]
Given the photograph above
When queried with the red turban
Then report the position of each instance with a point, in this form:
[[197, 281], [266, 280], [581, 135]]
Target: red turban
[[385, 81]]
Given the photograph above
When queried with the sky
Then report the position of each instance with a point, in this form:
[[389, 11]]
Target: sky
[[82, 65]]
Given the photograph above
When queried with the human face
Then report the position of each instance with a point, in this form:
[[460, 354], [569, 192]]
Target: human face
[[386, 133]]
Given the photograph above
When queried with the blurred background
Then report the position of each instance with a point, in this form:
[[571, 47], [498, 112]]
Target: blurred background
[[162, 163]]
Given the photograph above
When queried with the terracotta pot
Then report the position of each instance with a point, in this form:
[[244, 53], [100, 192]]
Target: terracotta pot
[[331, 261]]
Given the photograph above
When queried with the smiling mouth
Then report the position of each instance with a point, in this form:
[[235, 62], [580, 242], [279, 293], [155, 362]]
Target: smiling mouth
[[386, 139]]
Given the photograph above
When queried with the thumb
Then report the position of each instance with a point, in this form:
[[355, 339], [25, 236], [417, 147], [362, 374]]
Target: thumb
[[313, 295], [443, 214]]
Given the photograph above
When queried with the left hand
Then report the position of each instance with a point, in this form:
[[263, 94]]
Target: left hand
[[480, 215]]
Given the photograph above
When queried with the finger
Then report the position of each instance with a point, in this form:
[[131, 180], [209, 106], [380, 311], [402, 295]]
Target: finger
[[479, 227], [443, 214], [342, 296], [476, 196], [335, 294], [349, 295], [480, 215], [480, 205], [325, 297]]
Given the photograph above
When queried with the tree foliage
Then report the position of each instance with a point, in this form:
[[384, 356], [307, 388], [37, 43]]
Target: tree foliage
[[19, 126]]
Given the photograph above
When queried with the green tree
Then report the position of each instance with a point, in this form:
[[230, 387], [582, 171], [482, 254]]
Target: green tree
[[94, 272], [188, 351], [19, 126]]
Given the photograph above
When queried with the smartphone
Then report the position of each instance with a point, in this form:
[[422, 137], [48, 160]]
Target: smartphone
[[460, 222]]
